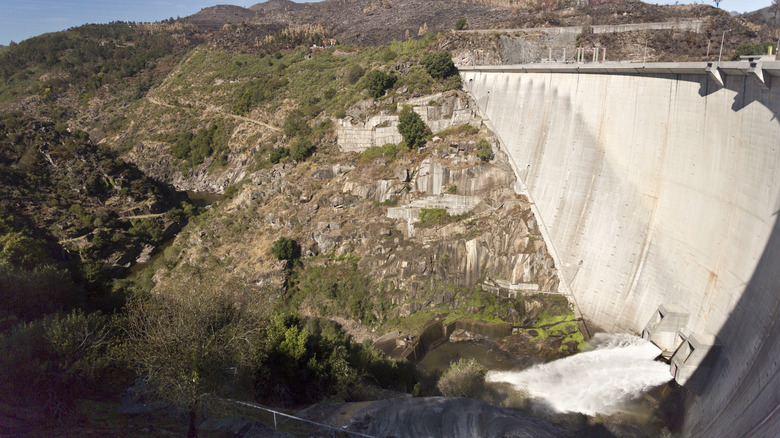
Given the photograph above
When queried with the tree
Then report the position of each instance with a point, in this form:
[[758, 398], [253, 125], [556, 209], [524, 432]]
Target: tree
[[296, 124], [301, 149], [22, 250], [378, 82], [278, 154], [190, 340], [717, 3], [355, 73], [286, 249], [484, 150], [412, 128], [439, 65], [460, 24]]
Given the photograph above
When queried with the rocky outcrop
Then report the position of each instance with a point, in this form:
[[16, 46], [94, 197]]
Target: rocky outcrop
[[439, 111], [339, 206], [450, 417]]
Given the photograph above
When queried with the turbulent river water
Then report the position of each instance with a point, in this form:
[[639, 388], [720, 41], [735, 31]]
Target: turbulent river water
[[605, 380]]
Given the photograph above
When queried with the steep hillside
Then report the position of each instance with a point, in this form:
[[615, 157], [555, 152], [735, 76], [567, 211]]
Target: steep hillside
[[361, 196]]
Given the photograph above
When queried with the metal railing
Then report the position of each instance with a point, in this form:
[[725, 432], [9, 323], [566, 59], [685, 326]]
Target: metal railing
[[293, 417]]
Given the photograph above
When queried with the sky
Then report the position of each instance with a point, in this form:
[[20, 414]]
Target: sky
[[22, 19]]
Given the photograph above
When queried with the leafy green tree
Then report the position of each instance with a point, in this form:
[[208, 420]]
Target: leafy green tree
[[30, 294], [412, 128], [184, 342], [484, 150], [47, 362], [295, 124], [278, 154], [388, 55], [460, 24], [22, 250], [286, 249], [301, 149], [377, 82], [746, 49], [355, 73], [439, 65]]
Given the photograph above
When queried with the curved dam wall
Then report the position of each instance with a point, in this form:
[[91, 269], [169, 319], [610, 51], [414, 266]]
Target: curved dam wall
[[659, 185]]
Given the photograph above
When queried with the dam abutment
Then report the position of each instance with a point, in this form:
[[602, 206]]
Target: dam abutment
[[656, 185]]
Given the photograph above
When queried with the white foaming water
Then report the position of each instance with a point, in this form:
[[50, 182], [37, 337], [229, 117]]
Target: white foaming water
[[619, 369]]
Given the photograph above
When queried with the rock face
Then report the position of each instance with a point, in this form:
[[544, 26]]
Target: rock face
[[438, 111], [422, 224], [450, 417]]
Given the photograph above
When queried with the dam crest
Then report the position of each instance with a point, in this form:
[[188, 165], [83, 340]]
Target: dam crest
[[656, 187]]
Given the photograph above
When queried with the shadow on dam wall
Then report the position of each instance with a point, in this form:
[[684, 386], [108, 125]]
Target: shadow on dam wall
[[698, 228], [742, 394], [742, 397]]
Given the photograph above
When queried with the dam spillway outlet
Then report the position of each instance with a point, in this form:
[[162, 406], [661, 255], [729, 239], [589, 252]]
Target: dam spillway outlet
[[692, 362], [664, 327], [605, 380]]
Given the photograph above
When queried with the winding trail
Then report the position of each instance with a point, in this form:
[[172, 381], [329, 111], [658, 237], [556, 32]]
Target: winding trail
[[156, 101]]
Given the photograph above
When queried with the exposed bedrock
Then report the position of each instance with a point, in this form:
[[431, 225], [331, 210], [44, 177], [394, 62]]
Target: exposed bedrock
[[453, 417], [656, 189]]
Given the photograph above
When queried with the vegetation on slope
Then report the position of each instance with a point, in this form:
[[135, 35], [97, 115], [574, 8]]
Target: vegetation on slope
[[195, 323]]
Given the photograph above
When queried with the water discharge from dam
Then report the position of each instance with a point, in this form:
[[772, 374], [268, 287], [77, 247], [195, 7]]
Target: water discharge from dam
[[605, 380]]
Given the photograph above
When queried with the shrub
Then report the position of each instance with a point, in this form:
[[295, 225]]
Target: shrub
[[460, 24], [54, 356], [30, 294], [433, 216], [147, 229], [412, 128], [746, 49], [464, 378], [484, 150], [195, 148], [301, 149], [439, 65], [388, 55], [286, 249], [330, 93], [278, 154], [355, 73], [389, 151], [378, 82], [296, 124], [22, 250]]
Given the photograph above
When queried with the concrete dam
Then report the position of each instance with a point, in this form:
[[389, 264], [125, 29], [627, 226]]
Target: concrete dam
[[657, 190]]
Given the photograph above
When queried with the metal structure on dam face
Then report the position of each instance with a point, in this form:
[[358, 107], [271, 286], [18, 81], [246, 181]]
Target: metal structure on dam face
[[658, 191]]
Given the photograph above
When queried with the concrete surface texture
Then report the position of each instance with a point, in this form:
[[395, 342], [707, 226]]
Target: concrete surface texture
[[658, 186]]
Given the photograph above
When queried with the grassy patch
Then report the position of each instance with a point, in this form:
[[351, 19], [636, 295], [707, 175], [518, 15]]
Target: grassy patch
[[389, 152], [340, 289], [439, 216], [563, 326]]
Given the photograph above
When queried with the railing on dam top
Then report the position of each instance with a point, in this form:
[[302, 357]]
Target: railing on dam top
[[762, 71]]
